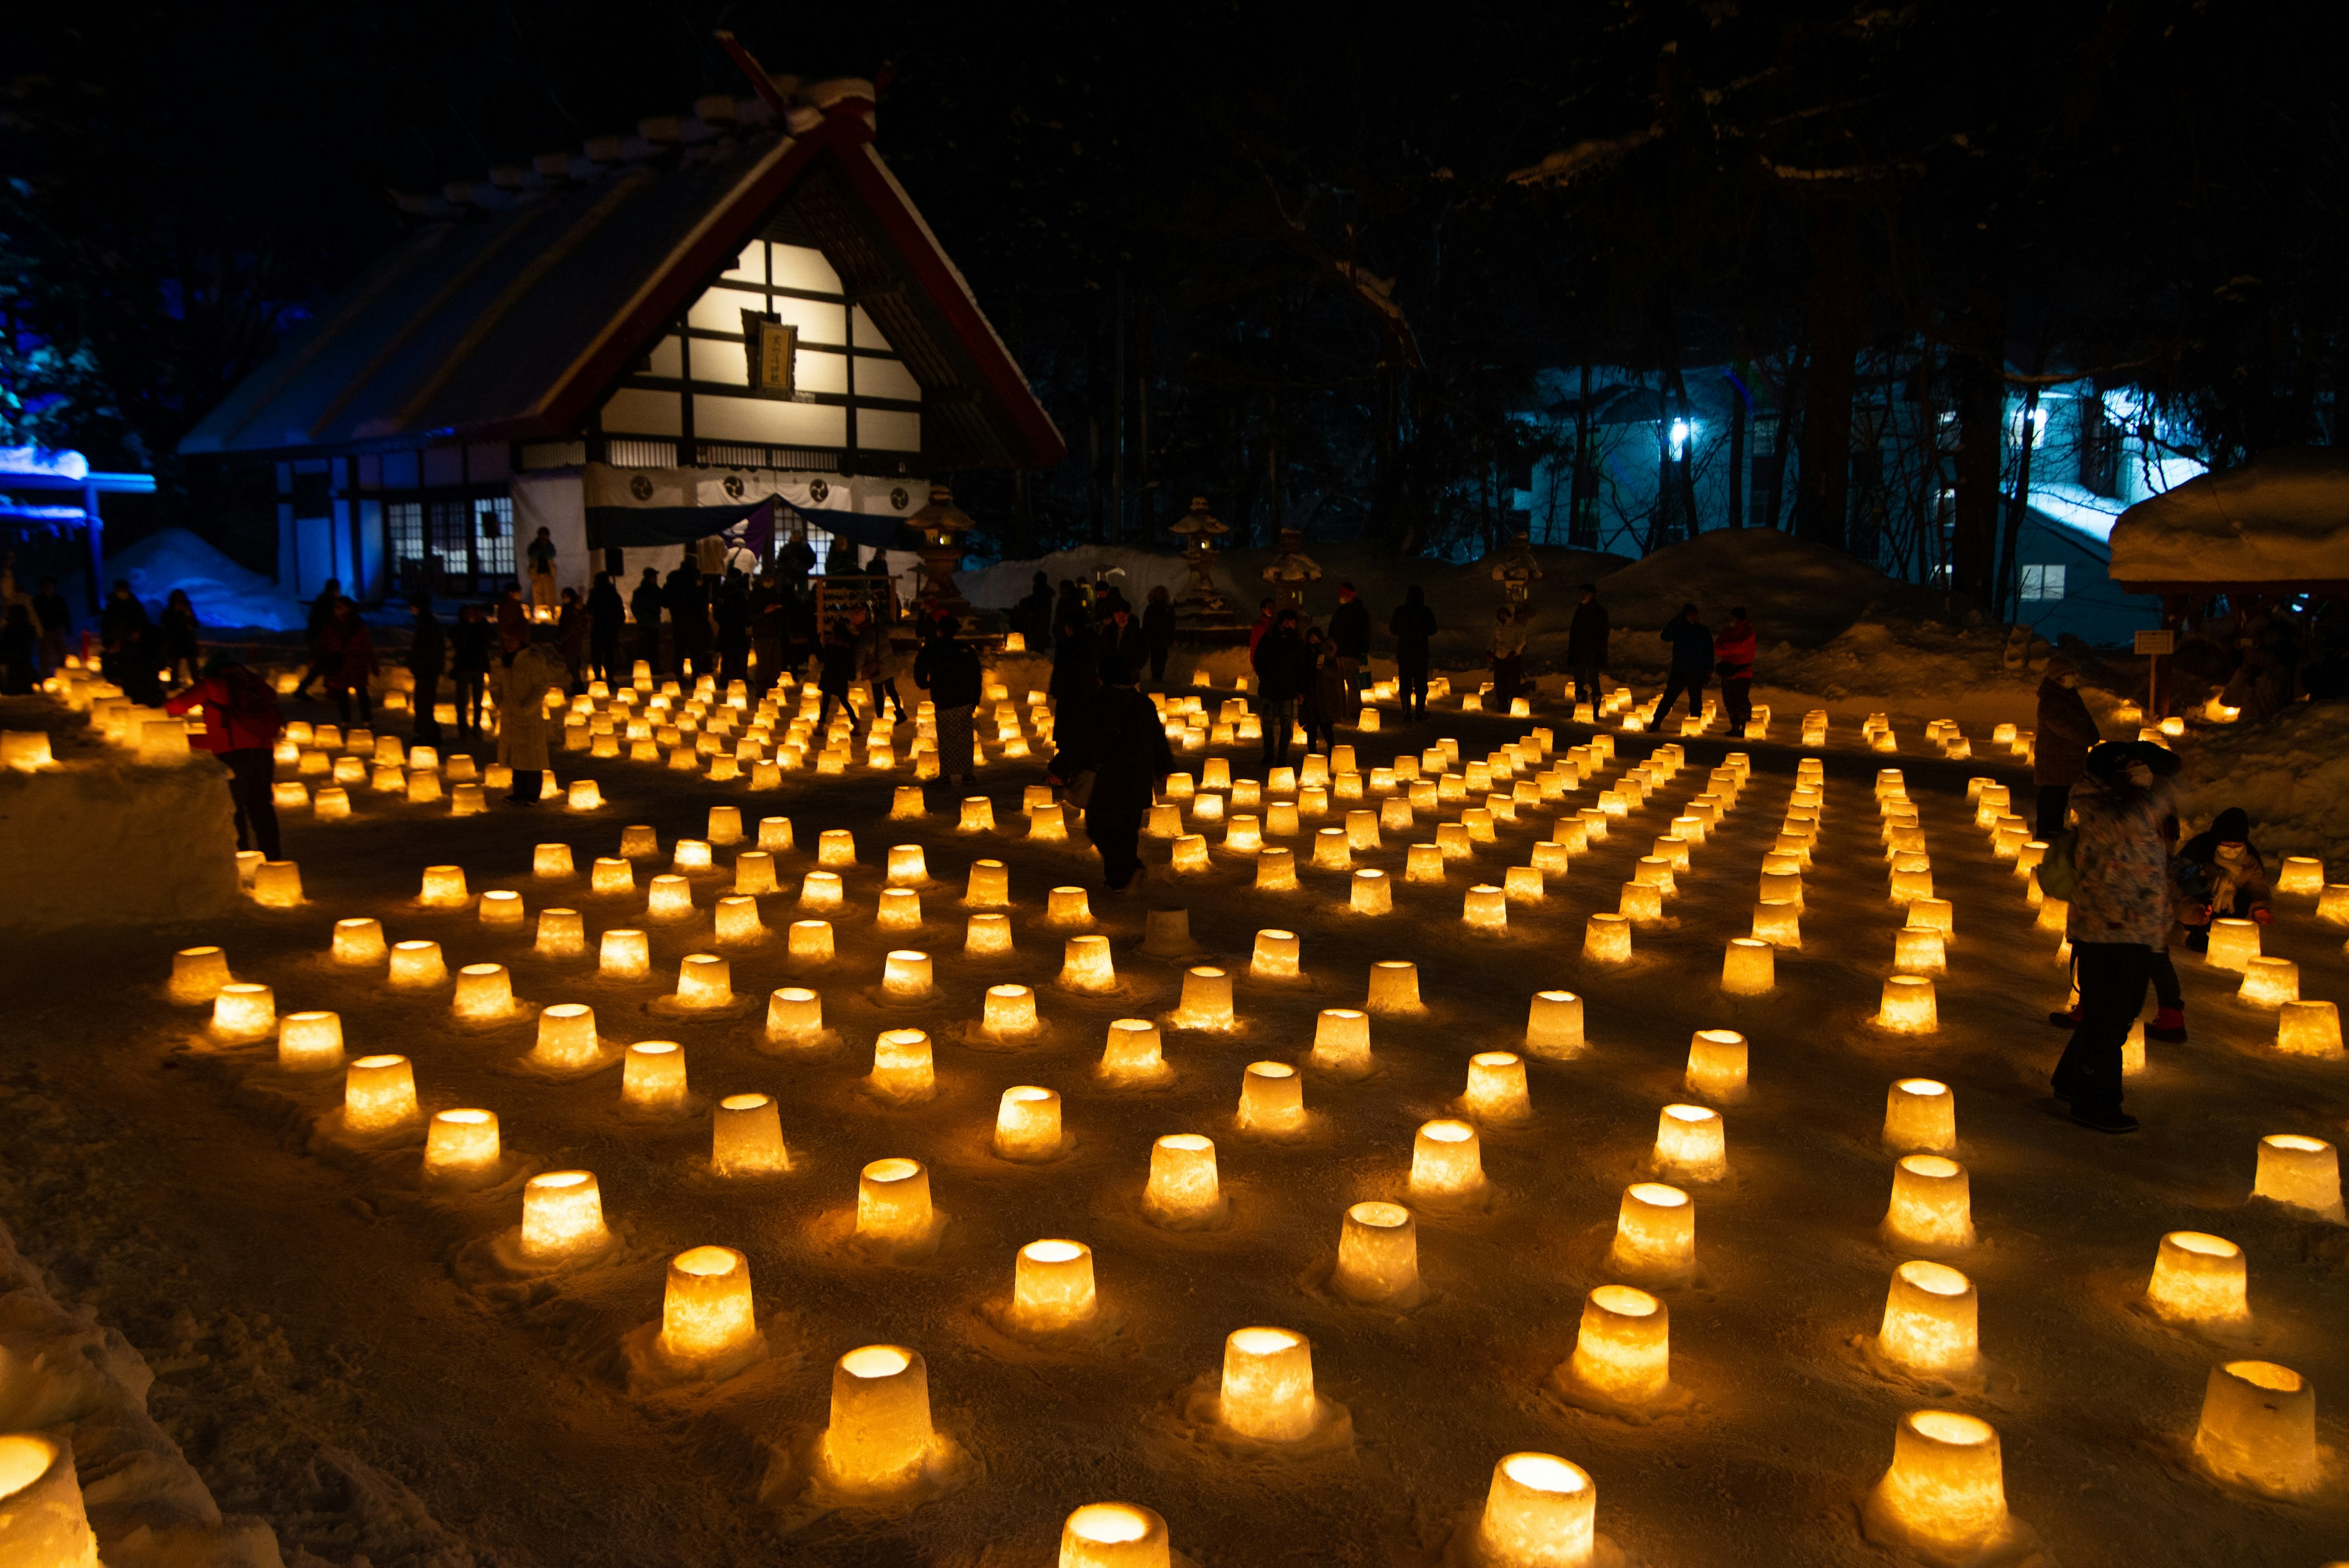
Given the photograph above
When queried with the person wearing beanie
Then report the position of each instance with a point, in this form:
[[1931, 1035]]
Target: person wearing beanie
[[2118, 918], [1114, 757], [2059, 752]]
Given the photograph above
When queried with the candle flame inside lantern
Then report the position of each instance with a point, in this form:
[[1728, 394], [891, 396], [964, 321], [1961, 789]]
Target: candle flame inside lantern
[[1692, 1143], [1717, 1064], [1944, 1496], [379, 1094], [1276, 955], [1541, 1511], [1131, 1052], [1206, 999], [1932, 1204], [1028, 1123], [2258, 1428], [652, 1075], [1749, 967], [1607, 939], [562, 1215], [624, 953], [1497, 1090], [1623, 1349], [1086, 964], [1114, 1535], [1272, 1098], [567, 1037], [902, 1064], [1908, 1006], [484, 991], [1052, 1285], [1267, 1385], [43, 1523]]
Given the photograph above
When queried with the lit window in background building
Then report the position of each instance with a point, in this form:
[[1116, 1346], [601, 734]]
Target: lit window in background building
[[2042, 582]]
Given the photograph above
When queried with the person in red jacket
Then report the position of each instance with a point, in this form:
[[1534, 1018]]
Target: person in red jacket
[[241, 725], [346, 658], [1733, 653]]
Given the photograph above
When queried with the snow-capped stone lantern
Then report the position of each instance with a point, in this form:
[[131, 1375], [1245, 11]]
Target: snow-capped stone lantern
[[1516, 569], [1199, 529], [942, 525], [1291, 570]]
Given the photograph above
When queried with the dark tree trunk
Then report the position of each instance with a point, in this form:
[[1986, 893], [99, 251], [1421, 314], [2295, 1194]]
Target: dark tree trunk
[[1737, 453], [2010, 576], [1832, 321], [1981, 394]]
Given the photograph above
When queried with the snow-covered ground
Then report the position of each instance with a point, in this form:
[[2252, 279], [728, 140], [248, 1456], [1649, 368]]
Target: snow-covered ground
[[337, 1350]]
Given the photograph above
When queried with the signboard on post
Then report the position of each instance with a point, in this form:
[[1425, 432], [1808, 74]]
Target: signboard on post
[[2157, 642], [2153, 645]]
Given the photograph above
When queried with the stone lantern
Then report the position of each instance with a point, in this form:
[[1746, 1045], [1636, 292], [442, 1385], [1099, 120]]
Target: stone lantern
[[1290, 572], [1516, 569], [1199, 529], [942, 525]]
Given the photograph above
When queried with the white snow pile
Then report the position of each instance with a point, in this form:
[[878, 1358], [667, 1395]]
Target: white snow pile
[[2284, 516], [2290, 772], [63, 1375], [1006, 582], [225, 594]]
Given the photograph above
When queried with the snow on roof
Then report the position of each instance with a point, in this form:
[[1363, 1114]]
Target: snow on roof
[[2282, 518], [2077, 507]]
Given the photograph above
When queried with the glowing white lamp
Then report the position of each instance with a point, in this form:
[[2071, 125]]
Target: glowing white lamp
[[2300, 1172], [1206, 999], [808, 940], [624, 952], [1393, 987], [198, 973], [1554, 1025], [1541, 1511], [1932, 1320], [2259, 1429], [1275, 956], [1749, 967], [880, 1433], [747, 1137], [1717, 1065], [1182, 1188], [1655, 1234], [1052, 1287], [1446, 1162], [1623, 1347], [461, 1143], [2199, 1278], [1378, 1254], [484, 991], [1276, 870], [1607, 939], [795, 1013], [2233, 943], [1932, 1203], [379, 1095], [1267, 1385], [1028, 1124], [903, 1064], [1908, 1006], [1921, 1116], [1497, 1090], [1086, 964], [2270, 981]]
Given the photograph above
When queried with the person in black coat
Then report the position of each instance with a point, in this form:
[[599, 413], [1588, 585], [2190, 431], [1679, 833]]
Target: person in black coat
[[687, 598], [606, 614], [733, 613], [1034, 614], [645, 604], [1412, 624], [1123, 638], [1120, 739], [1586, 646], [1076, 661], [1158, 632], [1284, 672], [948, 670], [840, 659], [470, 646], [428, 657], [1349, 634]]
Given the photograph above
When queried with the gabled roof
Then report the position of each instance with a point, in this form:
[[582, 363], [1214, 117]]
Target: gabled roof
[[509, 321]]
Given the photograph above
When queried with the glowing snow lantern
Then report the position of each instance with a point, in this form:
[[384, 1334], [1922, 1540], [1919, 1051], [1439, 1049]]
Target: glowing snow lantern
[[1655, 1234], [417, 965], [1272, 1098], [1749, 967], [836, 847], [1692, 1143], [562, 933], [775, 833], [1206, 1002], [747, 1137], [1423, 863], [1052, 1288], [795, 1013], [821, 890], [1623, 1347], [1190, 853], [1931, 1320], [378, 1095], [1393, 987], [2309, 1029], [43, 1523], [500, 907], [1918, 949], [652, 1077], [277, 885], [1378, 1254], [808, 940], [611, 874], [1553, 1024], [754, 872], [1009, 1011], [2333, 904], [1446, 1162], [1717, 1064], [1028, 1123], [905, 973], [903, 1067], [880, 1433], [1486, 908], [1944, 1497], [706, 1317], [2201, 1279], [1541, 1511], [990, 886], [1275, 957], [2270, 981], [704, 980], [1267, 1385], [2258, 1428], [1048, 824], [1607, 939], [1920, 1116], [2233, 943], [567, 1037], [484, 991], [198, 973], [1932, 1204], [2300, 1172], [310, 1042], [1131, 1052], [624, 953], [1908, 1005], [892, 1201], [1085, 964], [737, 919], [461, 1143], [900, 909], [1183, 1186]]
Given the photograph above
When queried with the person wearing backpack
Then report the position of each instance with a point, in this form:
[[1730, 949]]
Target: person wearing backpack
[[2113, 870], [948, 670], [241, 725], [2059, 750]]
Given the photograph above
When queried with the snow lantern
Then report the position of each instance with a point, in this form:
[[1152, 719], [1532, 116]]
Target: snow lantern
[[2233, 943], [1497, 1090], [736, 920], [1052, 1285], [1378, 1254], [624, 953], [1267, 1385], [1553, 1024], [1623, 1348], [836, 847], [1918, 949], [1446, 1161], [1183, 1186], [1932, 1203], [1276, 870], [1541, 1511], [1423, 863], [1749, 967], [1009, 1011], [754, 872], [1048, 824], [2199, 1278], [277, 885], [903, 1064], [243, 1011], [444, 888], [42, 1521], [893, 1200], [2270, 981], [1931, 1320], [1086, 965], [1944, 1497], [1607, 939], [611, 874], [900, 909], [2258, 1428], [990, 886], [379, 1094], [2333, 904], [1692, 1143], [1131, 1052], [670, 898], [2300, 1172], [1272, 1098], [2309, 1029], [1908, 1005], [502, 907], [1655, 1234], [880, 1432], [652, 1075], [1028, 1123], [461, 1143], [1920, 1116], [809, 941], [1206, 1000], [567, 1037], [907, 865], [905, 973], [484, 991], [1486, 908], [1716, 1064], [795, 1012], [198, 973], [1276, 955], [1393, 987], [310, 1042]]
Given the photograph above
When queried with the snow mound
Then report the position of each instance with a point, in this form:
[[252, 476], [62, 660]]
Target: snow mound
[[1006, 582], [2283, 517], [225, 594], [2290, 772]]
